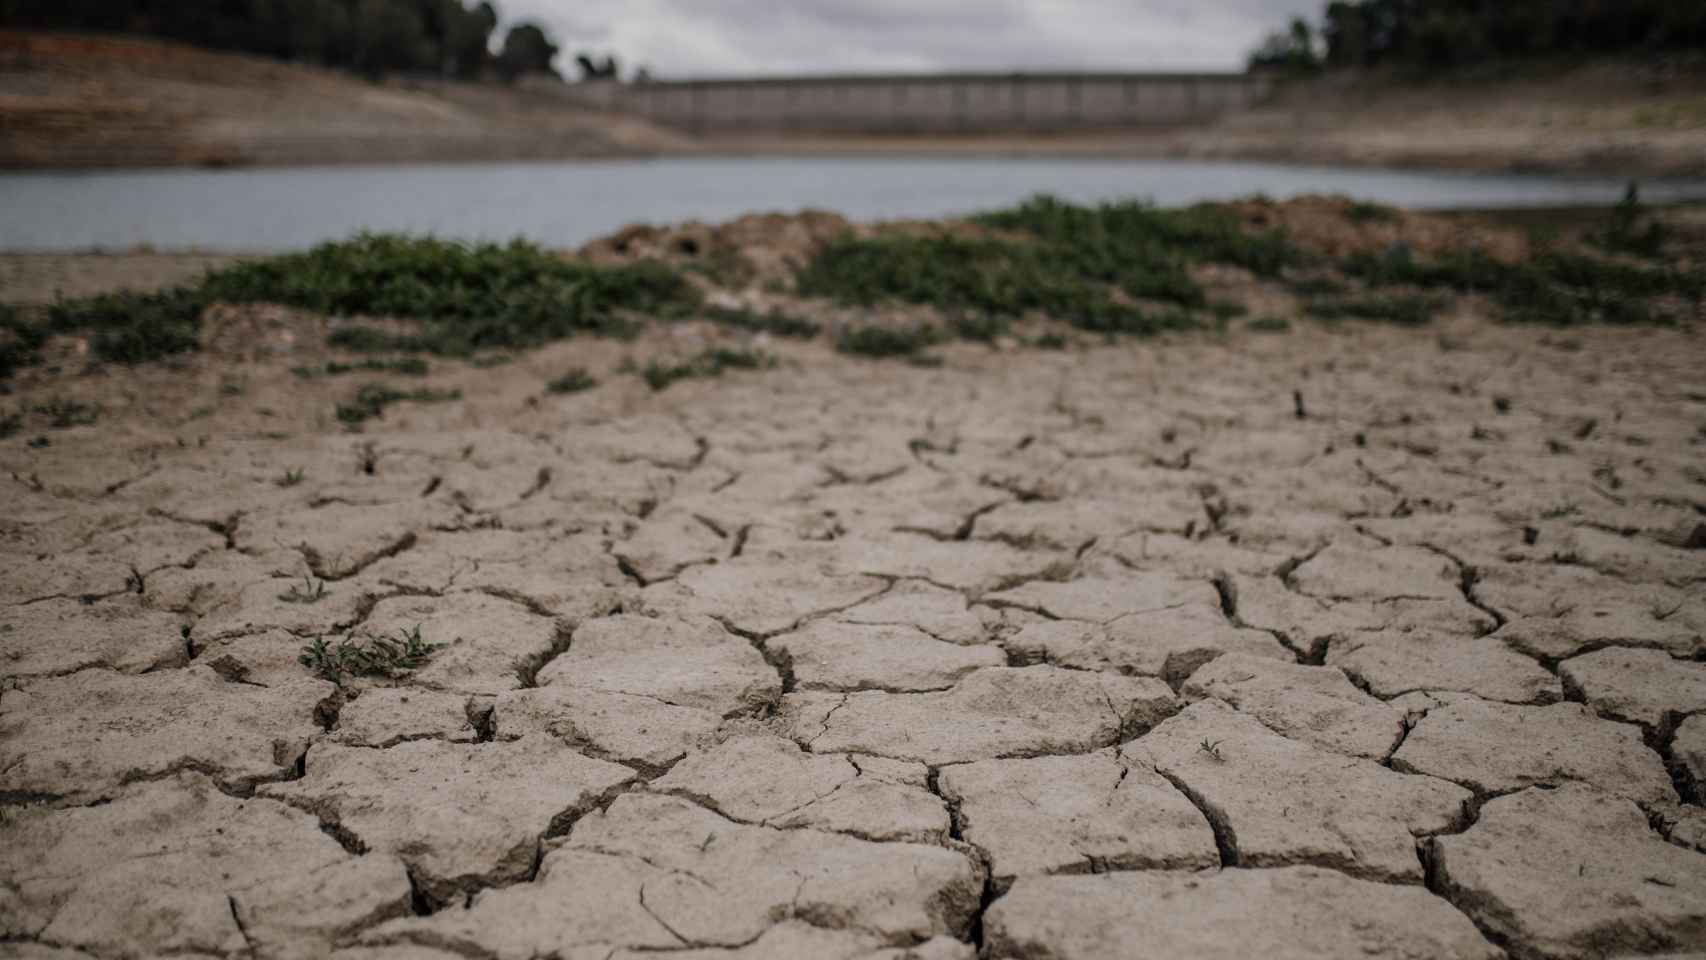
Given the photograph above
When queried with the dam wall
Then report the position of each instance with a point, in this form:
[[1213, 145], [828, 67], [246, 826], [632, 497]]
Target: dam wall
[[931, 104]]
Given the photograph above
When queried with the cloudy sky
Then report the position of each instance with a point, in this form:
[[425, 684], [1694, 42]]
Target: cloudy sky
[[694, 38]]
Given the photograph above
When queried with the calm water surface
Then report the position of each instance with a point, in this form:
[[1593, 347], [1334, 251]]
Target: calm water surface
[[566, 204]]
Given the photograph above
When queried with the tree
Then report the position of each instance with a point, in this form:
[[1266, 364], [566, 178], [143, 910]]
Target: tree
[[1292, 50], [527, 49], [388, 36], [595, 70]]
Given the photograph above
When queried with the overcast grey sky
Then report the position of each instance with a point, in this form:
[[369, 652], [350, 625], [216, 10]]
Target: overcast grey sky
[[682, 38]]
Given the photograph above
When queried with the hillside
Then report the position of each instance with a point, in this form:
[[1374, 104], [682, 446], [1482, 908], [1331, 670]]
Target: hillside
[[74, 101], [71, 101], [1608, 117]]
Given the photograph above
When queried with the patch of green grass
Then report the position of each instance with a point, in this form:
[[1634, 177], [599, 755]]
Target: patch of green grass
[[465, 298], [486, 361], [1406, 311], [375, 657], [575, 380], [130, 327], [711, 363], [63, 413], [1081, 265], [291, 477], [372, 399], [1269, 325], [1051, 341], [1553, 287], [775, 322], [1365, 212], [20, 342], [1203, 233], [875, 341]]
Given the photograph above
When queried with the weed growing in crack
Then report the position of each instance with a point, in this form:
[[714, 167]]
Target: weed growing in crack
[[291, 477], [10, 425], [1212, 748], [310, 591], [711, 363], [372, 399], [575, 380], [376, 657]]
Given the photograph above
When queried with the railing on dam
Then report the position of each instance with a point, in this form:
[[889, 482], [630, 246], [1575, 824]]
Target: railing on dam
[[947, 103]]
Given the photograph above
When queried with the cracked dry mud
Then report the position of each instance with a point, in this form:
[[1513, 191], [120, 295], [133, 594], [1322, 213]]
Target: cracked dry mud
[[1105, 654]]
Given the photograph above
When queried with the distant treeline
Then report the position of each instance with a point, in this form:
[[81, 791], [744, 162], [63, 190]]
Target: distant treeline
[[1446, 32], [375, 37]]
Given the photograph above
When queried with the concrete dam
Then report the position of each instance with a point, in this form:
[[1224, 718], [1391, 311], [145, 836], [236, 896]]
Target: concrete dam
[[931, 104]]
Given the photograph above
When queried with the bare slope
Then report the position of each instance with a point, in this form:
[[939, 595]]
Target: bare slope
[[97, 101]]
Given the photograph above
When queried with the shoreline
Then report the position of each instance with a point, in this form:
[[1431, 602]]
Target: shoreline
[[1616, 162]]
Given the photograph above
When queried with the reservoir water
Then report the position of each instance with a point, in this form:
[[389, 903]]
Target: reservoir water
[[567, 204]]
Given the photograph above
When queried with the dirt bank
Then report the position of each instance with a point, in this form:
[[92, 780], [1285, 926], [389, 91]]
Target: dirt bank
[[78, 101], [1611, 118]]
